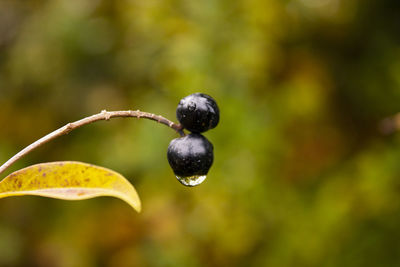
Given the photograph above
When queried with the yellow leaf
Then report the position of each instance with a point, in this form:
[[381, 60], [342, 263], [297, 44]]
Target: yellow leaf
[[69, 180]]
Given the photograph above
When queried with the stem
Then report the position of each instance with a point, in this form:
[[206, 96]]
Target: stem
[[103, 115]]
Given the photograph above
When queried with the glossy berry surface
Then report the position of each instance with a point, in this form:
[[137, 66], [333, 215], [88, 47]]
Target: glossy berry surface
[[190, 155], [198, 112]]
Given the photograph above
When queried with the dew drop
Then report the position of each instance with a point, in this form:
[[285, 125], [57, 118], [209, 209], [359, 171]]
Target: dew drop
[[192, 106], [191, 180]]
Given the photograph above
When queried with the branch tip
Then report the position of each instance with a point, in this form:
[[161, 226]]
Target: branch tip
[[103, 115]]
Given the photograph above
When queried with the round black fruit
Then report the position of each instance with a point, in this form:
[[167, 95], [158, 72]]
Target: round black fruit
[[190, 155], [198, 112]]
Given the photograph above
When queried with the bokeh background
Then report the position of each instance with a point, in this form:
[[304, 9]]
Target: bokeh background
[[302, 174]]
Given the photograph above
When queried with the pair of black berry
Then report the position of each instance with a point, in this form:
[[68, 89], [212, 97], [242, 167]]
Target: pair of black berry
[[191, 156]]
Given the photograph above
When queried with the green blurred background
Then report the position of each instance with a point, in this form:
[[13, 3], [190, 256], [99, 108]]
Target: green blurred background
[[302, 175]]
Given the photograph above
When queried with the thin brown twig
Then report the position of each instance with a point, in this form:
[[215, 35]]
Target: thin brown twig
[[104, 115]]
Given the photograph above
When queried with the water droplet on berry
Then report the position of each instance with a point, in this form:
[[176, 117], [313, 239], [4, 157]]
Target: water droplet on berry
[[192, 106], [191, 180]]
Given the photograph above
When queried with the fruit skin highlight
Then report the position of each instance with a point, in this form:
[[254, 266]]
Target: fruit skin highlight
[[198, 112], [190, 155]]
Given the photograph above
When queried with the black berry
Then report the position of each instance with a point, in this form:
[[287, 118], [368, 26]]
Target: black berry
[[198, 112], [190, 155]]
